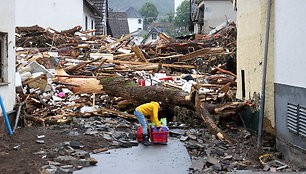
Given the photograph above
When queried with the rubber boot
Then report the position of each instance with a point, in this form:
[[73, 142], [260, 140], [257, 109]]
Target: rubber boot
[[145, 140]]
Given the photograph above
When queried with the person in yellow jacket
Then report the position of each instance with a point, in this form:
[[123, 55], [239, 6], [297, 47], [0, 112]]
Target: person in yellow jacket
[[148, 109]]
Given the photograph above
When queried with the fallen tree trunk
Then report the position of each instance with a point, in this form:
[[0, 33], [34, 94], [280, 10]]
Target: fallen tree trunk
[[126, 88]]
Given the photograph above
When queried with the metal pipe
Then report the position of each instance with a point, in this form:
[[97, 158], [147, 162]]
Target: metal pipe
[[17, 117], [264, 76], [5, 117]]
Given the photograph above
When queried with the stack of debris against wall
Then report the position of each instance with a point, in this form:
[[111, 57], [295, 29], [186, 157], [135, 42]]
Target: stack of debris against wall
[[67, 74]]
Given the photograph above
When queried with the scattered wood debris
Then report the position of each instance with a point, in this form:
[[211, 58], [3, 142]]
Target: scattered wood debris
[[76, 75]]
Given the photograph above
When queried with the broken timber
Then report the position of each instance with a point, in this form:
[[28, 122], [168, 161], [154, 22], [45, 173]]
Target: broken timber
[[144, 63], [126, 88], [200, 52]]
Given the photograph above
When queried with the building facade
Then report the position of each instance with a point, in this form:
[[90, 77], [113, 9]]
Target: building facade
[[290, 80], [58, 14], [7, 55], [285, 92]]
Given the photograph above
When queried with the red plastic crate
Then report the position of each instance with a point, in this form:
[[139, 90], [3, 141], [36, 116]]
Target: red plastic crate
[[155, 136], [159, 138]]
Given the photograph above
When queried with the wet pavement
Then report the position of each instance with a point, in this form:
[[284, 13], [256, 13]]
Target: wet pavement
[[166, 159]]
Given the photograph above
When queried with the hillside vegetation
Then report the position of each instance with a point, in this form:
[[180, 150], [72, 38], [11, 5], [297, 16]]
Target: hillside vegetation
[[163, 6]]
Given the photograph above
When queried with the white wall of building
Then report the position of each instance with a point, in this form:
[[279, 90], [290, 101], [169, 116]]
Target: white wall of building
[[134, 25], [217, 12], [7, 25], [58, 14], [90, 18], [290, 42]]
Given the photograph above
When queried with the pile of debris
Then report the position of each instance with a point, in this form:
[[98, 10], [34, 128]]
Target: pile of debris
[[64, 75]]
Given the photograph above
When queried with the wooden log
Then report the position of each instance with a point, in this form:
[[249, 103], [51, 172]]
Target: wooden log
[[210, 123], [71, 31], [126, 88], [85, 85]]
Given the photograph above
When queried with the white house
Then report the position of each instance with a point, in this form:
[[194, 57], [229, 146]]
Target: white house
[[58, 14], [152, 36], [7, 54], [290, 79], [217, 12], [135, 19]]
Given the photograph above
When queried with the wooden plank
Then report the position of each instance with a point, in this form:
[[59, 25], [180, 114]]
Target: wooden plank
[[166, 57], [115, 42], [74, 76], [200, 52], [139, 54], [225, 71], [144, 63], [123, 55]]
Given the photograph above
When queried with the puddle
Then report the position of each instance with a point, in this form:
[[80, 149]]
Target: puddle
[[172, 158]]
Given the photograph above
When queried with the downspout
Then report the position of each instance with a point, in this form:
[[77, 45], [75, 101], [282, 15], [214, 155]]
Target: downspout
[[264, 76]]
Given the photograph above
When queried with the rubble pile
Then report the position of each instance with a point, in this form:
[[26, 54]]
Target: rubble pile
[[59, 80], [91, 84]]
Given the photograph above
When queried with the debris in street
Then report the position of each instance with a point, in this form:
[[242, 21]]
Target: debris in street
[[90, 85]]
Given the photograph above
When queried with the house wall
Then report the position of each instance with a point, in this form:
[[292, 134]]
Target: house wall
[[134, 25], [251, 26], [290, 79], [217, 12], [7, 25], [90, 18], [149, 39], [58, 14]]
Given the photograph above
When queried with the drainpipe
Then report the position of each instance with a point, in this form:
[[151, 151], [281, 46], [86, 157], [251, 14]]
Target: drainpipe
[[264, 75]]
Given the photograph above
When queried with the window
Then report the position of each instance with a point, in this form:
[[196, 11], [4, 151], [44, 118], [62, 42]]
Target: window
[[3, 57], [86, 23], [92, 24], [154, 35], [139, 21], [139, 28]]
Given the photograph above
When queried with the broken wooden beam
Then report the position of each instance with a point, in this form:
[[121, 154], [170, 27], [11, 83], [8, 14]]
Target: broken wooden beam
[[139, 53], [143, 63], [225, 71], [200, 52], [115, 42]]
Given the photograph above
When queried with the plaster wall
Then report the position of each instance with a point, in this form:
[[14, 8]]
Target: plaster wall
[[290, 42], [216, 13], [134, 24], [251, 27], [7, 25], [90, 18], [58, 14]]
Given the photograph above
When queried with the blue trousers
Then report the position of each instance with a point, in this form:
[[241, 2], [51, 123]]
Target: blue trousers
[[142, 120]]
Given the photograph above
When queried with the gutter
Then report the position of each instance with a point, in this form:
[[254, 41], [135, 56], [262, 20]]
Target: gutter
[[264, 76]]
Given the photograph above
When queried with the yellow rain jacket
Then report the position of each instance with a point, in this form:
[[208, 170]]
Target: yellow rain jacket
[[150, 109]]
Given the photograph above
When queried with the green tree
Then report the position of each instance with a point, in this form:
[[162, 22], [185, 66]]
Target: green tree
[[149, 11], [182, 17], [170, 16]]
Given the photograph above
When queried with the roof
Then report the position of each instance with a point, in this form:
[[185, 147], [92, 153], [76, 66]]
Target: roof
[[131, 12], [93, 7], [118, 24], [153, 30]]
